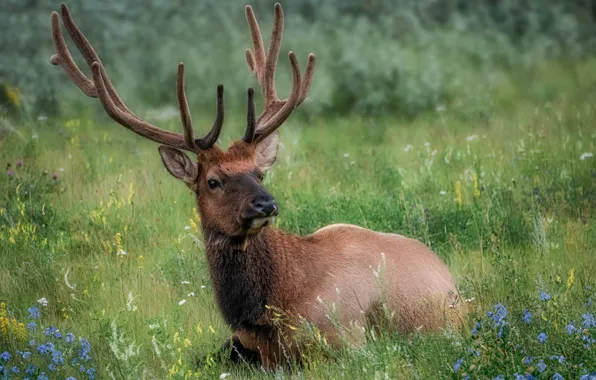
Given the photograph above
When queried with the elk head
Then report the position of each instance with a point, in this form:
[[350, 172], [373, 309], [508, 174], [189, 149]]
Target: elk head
[[228, 184]]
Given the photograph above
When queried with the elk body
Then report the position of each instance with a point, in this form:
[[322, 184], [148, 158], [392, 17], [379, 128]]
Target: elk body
[[255, 268]]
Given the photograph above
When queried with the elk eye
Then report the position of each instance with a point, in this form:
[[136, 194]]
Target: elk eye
[[213, 183]]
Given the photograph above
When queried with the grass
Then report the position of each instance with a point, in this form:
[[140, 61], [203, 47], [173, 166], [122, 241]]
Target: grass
[[505, 196]]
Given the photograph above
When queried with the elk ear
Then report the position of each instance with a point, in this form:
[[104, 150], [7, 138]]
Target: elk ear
[[180, 166], [266, 151]]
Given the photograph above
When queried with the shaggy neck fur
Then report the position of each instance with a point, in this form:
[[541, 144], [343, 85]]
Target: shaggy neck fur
[[243, 273]]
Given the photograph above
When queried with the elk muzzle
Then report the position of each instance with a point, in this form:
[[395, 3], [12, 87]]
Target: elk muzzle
[[259, 211]]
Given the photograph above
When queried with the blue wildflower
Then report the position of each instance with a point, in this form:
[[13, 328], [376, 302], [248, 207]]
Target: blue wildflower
[[91, 373], [542, 337], [500, 314], [33, 312], [44, 348], [570, 328], [31, 325], [517, 376], [528, 360], [52, 367], [588, 320], [32, 342], [544, 296], [85, 349], [57, 334], [57, 357], [588, 376], [457, 364], [527, 318], [15, 370], [82, 368], [589, 303], [500, 377], [26, 355], [49, 331], [556, 376], [42, 376], [30, 369], [69, 338], [5, 356], [587, 341], [71, 378], [561, 359], [477, 327], [541, 366]]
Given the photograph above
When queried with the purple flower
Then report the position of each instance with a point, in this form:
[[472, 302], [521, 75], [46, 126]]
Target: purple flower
[[457, 364], [32, 342], [588, 320], [5, 356], [33, 312], [10, 173], [542, 337], [55, 176], [19, 163], [544, 296], [570, 328], [541, 366], [527, 318]]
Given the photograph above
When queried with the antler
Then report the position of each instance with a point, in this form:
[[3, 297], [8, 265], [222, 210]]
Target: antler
[[101, 86], [263, 65]]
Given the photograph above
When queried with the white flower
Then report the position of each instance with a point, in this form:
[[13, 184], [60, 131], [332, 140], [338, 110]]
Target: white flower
[[434, 152], [408, 148], [441, 108], [153, 326], [203, 286], [427, 144], [187, 228], [121, 252], [346, 155], [42, 118], [191, 294], [181, 302], [61, 169], [585, 155], [70, 156], [224, 375], [35, 136], [186, 282], [472, 138], [43, 301], [442, 192]]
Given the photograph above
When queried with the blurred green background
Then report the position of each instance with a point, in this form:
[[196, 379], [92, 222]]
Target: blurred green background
[[375, 57]]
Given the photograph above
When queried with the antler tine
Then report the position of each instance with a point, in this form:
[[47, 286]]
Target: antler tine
[[184, 111], [276, 121], [273, 54], [65, 60], [308, 77], [249, 134], [210, 138], [256, 63]]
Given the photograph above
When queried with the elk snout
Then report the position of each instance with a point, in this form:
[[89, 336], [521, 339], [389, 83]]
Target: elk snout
[[263, 206]]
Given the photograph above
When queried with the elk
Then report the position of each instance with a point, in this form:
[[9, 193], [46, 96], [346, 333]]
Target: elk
[[255, 268]]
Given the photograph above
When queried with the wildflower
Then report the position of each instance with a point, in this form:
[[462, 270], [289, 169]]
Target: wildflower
[[121, 252], [556, 376], [69, 338], [185, 282], [32, 342], [57, 334], [541, 366], [19, 163], [471, 138], [588, 320], [561, 359], [570, 328], [52, 367], [517, 376], [10, 173], [542, 337], [544, 296], [71, 378], [224, 375], [55, 176], [588, 376], [30, 369], [457, 364], [458, 196], [5, 356], [42, 376], [85, 349], [15, 370], [528, 360], [91, 373], [477, 326], [57, 357], [500, 377], [43, 301], [443, 192], [585, 155], [49, 331], [182, 302], [588, 303], [44, 348], [527, 318]]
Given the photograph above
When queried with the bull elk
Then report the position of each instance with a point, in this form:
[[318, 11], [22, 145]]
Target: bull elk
[[254, 266]]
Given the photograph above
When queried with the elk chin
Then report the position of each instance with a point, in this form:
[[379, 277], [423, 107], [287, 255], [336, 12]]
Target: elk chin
[[258, 223]]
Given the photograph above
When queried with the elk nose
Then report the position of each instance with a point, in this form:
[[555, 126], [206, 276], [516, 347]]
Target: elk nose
[[265, 205]]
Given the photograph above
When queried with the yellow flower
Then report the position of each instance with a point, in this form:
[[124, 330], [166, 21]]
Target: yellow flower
[[211, 329], [571, 278], [176, 337], [3, 309], [198, 328], [22, 332], [131, 193], [4, 325], [476, 189], [140, 261], [187, 342]]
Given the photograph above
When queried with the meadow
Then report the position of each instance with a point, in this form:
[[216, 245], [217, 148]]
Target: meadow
[[103, 271]]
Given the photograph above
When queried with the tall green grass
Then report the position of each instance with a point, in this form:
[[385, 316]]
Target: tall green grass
[[504, 193]]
